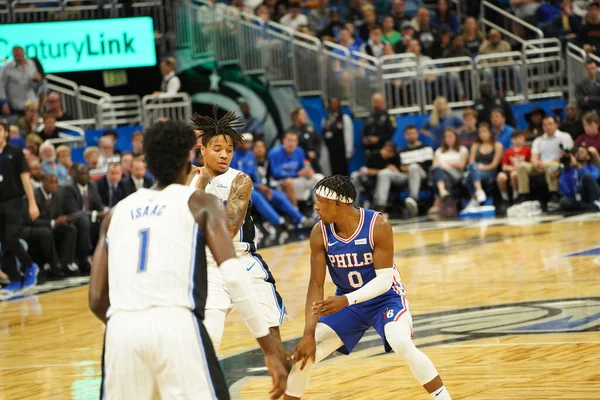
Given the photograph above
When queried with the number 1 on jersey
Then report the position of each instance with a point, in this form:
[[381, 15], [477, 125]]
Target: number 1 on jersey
[[355, 279], [144, 236]]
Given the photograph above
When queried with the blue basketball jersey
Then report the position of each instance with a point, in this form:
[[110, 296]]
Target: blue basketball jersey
[[350, 261]]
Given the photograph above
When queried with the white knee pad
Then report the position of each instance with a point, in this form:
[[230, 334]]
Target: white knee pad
[[327, 342], [398, 335]]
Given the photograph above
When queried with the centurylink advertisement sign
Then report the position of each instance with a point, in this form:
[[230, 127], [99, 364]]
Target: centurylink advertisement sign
[[83, 45]]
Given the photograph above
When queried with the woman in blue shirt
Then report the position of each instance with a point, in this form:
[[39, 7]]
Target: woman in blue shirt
[[440, 120]]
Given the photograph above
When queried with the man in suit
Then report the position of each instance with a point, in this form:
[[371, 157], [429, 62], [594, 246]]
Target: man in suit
[[82, 196], [110, 187], [137, 179], [51, 237]]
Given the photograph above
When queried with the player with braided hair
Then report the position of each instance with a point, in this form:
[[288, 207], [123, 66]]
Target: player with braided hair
[[233, 188], [357, 246]]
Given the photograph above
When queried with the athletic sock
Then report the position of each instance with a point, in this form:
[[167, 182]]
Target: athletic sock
[[504, 196], [515, 195], [440, 394]]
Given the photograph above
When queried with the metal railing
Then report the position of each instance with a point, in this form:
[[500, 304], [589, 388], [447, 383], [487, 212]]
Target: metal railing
[[253, 44], [336, 72], [68, 91], [176, 107], [543, 68], [453, 78], [488, 10], [70, 135], [576, 59], [116, 111], [366, 82], [89, 100], [306, 52], [5, 15], [505, 72], [401, 83]]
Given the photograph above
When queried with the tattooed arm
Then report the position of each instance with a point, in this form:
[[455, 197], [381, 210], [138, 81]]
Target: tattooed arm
[[237, 203]]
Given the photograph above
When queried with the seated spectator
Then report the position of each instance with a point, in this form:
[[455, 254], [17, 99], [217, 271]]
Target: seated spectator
[[578, 184], [63, 153], [52, 231], [591, 139], [443, 15], [114, 136], [31, 120], [398, 14], [484, 160], [137, 142], [467, 134], [126, 163], [488, 101], [348, 41], [369, 22], [138, 178], [294, 19], [415, 162], [291, 171], [91, 156], [338, 132], [35, 173], [171, 84], [545, 155], [423, 61], [110, 187], [318, 18], [19, 79], [494, 44], [580, 7], [408, 34], [572, 123], [379, 127], [448, 166], [14, 137], [251, 124], [443, 42], [534, 120], [457, 49], [472, 36], [513, 157], [83, 203], [262, 162], [500, 130], [107, 151], [587, 92], [425, 32], [389, 33], [439, 120], [310, 140], [49, 164], [54, 106], [269, 203], [332, 30], [374, 46], [547, 11], [566, 25], [365, 179], [50, 131], [33, 143], [589, 33]]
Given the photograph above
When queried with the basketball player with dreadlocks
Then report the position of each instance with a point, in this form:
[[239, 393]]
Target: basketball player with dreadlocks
[[357, 247], [218, 141]]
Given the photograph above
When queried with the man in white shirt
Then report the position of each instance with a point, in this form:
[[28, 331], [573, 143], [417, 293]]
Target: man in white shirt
[[294, 19], [137, 179], [545, 155], [170, 83]]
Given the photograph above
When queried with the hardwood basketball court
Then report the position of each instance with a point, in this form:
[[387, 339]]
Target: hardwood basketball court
[[505, 310]]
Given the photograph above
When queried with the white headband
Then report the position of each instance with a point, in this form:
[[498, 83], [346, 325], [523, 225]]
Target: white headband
[[331, 195]]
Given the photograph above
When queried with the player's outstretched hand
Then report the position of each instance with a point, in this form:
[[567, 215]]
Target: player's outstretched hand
[[304, 350], [329, 306], [278, 373]]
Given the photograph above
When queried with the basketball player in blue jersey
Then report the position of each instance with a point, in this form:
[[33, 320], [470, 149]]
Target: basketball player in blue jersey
[[357, 247], [149, 284], [234, 188]]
